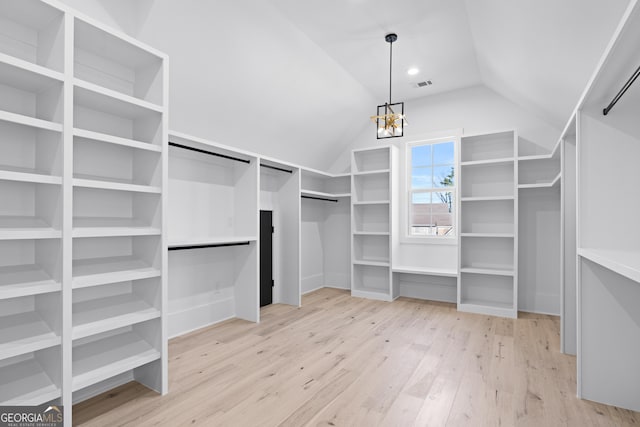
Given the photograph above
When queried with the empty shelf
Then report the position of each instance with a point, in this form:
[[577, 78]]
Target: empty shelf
[[23, 333], [22, 280], [373, 263], [103, 137], [20, 227], [373, 172], [98, 98], [108, 357], [30, 121], [485, 198], [371, 294], [625, 263], [108, 227], [106, 314], [502, 235], [429, 271], [489, 271], [8, 173], [112, 184], [487, 307], [488, 162], [100, 271], [313, 193], [26, 383]]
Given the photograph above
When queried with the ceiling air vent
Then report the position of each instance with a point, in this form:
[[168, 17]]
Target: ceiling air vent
[[425, 83]]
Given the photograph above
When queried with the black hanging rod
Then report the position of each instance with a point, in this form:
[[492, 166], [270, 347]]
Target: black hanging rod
[[319, 198], [276, 168], [626, 86], [211, 153], [212, 245]]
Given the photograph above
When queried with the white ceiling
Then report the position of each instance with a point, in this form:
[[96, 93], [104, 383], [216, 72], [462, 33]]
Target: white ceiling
[[537, 53]]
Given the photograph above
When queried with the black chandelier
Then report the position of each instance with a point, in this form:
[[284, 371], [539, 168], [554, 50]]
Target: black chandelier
[[390, 119]]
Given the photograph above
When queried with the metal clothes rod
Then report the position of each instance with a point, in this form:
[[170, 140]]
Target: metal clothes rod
[[211, 153], [212, 245], [319, 198], [626, 86], [276, 168]]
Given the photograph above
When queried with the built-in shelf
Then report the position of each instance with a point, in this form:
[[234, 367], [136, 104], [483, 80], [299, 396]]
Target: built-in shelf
[[500, 161], [101, 271], [112, 99], [28, 175], [20, 227], [428, 271], [99, 360], [370, 294], [373, 202], [371, 233], [544, 184], [106, 314], [624, 263], [25, 68], [206, 241], [24, 333], [486, 198], [26, 383], [111, 227], [488, 271], [112, 184], [373, 172], [371, 263], [499, 235], [24, 280], [490, 308], [312, 193], [111, 139], [21, 119]]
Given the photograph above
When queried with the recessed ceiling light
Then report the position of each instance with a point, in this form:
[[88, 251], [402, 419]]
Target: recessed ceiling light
[[413, 71]]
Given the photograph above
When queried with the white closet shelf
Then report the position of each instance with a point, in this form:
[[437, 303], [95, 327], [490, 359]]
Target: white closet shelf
[[21, 119], [111, 227], [24, 280], [30, 67], [491, 162], [96, 98], [373, 263], [323, 194], [485, 198], [625, 263], [490, 308], [18, 227], [23, 333], [488, 271], [372, 202], [370, 294], [204, 241], [371, 233], [499, 235], [110, 139], [372, 172], [102, 271], [89, 181], [106, 314], [108, 357], [26, 383], [115, 97], [428, 271], [9, 173], [27, 76], [545, 184]]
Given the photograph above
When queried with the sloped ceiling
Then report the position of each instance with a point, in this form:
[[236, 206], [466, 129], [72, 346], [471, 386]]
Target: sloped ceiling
[[260, 74]]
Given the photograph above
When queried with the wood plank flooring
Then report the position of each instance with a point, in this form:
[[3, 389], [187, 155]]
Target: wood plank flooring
[[343, 361]]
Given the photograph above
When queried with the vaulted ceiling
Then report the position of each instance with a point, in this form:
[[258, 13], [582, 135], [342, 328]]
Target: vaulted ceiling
[[297, 79]]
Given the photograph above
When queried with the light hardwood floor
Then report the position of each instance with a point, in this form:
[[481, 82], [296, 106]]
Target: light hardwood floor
[[343, 361]]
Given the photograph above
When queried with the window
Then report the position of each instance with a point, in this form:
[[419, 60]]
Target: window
[[432, 189]]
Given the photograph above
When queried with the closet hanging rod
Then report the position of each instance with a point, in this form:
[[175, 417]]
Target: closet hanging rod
[[626, 86], [276, 168], [319, 198], [211, 153], [212, 245]]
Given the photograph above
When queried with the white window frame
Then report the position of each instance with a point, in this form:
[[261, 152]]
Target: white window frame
[[405, 209]]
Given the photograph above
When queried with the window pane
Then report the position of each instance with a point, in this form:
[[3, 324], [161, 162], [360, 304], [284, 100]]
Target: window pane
[[421, 156], [442, 213], [443, 153], [421, 177], [420, 214], [443, 176]]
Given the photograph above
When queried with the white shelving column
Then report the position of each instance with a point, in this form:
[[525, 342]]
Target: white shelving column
[[608, 230], [371, 195], [119, 179], [31, 208], [488, 224]]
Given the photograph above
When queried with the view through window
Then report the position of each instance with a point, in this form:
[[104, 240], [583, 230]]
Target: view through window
[[432, 189]]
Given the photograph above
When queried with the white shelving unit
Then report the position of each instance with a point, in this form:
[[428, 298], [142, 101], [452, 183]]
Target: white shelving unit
[[213, 228], [82, 180], [488, 225], [371, 195], [608, 236]]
